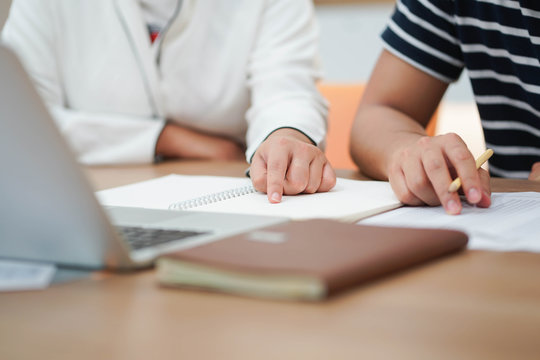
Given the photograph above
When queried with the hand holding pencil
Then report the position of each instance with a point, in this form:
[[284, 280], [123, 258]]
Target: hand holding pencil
[[456, 184], [421, 173]]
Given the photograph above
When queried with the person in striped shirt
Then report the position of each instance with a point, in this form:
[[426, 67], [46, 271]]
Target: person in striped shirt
[[427, 44]]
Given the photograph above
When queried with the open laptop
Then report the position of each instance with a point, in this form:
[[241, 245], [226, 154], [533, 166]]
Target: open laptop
[[48, 211]]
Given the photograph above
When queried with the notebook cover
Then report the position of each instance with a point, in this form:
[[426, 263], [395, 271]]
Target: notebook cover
[[339, 254]]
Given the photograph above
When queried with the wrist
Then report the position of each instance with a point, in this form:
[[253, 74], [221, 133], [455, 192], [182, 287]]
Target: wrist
[[291, 132]]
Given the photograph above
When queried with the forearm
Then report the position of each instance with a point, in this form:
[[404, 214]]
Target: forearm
[[179, 142], [377, 135]]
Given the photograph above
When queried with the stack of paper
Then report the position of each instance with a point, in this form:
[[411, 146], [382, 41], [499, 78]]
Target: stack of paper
[[511, 223]]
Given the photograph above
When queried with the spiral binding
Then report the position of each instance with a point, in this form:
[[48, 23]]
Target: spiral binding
[[212, 198]]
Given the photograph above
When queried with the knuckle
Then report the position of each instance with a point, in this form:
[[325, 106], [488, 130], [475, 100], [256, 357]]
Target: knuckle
[[453, 138], [433, 165], [304, 149], [283, 141], [298, 164], [405, 154], [425, 141], [398, 159], [461, 154], [297, 186], [417, 184], [319, 156]]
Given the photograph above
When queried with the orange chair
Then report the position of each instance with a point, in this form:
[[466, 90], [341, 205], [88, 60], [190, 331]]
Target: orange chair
[[343, 100]]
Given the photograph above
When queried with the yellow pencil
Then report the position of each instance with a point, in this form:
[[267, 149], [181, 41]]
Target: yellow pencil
[[456, 184]]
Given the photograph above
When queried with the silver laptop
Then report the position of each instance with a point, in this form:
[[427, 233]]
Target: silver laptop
[[48, 211]]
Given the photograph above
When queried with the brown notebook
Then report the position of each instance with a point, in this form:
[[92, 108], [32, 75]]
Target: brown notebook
[[304, 260]]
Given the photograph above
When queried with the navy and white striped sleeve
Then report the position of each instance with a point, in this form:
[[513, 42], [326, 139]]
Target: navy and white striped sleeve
[[423, 34]]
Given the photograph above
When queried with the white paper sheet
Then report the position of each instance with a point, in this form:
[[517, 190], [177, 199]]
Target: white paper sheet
[[17, 275], [512, 223]]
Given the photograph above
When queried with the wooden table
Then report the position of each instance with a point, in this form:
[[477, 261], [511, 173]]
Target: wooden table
[[476, 305]]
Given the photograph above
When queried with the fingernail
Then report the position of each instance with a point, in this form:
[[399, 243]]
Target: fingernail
[[452, 207], [276, 197], [474, 195]]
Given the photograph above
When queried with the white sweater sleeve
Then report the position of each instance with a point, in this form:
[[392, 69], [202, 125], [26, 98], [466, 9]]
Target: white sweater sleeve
[[282, 74], [96, 138]]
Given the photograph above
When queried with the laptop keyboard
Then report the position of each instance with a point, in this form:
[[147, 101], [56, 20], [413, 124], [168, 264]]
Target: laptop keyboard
[[139, 237]]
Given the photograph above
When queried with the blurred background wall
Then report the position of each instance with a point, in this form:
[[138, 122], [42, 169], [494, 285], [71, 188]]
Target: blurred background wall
[[4, 6]]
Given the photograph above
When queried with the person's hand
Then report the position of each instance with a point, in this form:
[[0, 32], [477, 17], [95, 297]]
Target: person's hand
[[287, 163], [422, 172], [535, 172], [179, 142]]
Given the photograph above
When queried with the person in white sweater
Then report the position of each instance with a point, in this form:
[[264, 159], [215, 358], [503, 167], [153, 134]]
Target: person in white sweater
[[132, 81]]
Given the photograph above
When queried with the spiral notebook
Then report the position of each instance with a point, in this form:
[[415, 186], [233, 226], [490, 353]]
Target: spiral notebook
[[349, 200]]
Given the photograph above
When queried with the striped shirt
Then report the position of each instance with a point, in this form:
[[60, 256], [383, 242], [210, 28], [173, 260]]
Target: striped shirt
[[498, 42]]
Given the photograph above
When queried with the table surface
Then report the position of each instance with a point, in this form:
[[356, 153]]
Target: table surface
[[475, 305]]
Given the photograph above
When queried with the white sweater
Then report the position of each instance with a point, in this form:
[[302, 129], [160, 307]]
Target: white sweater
[[239, 68]]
